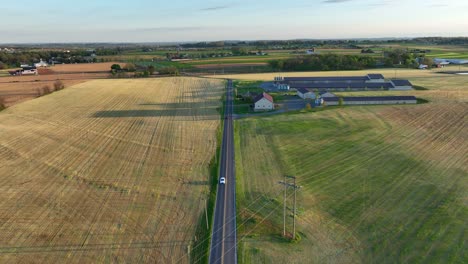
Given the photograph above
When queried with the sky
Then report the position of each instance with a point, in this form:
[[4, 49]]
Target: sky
[[58, 21]]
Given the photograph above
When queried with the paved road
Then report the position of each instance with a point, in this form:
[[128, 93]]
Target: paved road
[[223, 241]]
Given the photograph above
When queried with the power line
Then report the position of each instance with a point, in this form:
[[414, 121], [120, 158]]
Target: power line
[[287, 185]]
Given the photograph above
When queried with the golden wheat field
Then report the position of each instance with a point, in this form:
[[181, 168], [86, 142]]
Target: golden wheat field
[[107, 171]]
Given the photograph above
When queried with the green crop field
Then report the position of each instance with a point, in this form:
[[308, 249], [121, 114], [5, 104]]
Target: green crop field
[[380, 184]]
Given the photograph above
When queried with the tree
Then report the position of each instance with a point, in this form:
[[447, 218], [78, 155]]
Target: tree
[[427, 61], [308, 107], [130, 67], [239, 51], [169, 71], [340, 101], [115, 67], [46, 90], [58, 85], [2, 65], [150, 69]]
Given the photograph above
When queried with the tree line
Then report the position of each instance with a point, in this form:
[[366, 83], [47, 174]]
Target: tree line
[[325, 62]]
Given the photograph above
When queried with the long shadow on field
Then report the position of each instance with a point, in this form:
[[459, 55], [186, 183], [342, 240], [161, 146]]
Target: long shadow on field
[[190, 113], [198, 183]]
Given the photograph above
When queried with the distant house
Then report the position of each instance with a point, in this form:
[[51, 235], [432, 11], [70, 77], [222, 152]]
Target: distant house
[[263, 102], [399, 85], [305, 94], [41, 64], [327, 94], [371, 100], [311, 51]]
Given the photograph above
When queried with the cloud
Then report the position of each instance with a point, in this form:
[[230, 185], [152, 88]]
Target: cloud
[[214, 8], [335, 1], [161, 29], [438, 5]]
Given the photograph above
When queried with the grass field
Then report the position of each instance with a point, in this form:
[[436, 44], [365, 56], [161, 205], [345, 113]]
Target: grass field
[[381, 184], [107, 171]]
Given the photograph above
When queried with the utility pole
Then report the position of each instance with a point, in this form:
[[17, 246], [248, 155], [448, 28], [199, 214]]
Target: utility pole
[[206, 214], [286, 185], [284, 208], [294, 210], [188, 252]]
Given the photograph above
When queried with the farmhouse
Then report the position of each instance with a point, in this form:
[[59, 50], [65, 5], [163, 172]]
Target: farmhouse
[[305, 94], [371, 100], [263, 102]]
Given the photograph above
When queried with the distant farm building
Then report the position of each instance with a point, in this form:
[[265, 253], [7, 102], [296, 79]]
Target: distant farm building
[[377, 78], [370, 100], [327, 94], [305, 94], [264, 102], [423, 66], [450, 61], [41, 64], [401, 85], [26, 70], [372, 82]]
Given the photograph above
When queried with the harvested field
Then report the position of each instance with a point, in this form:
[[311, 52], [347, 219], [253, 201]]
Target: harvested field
[[381, 184], [16, 89], [17, 92], [83, 67], [107, 171]]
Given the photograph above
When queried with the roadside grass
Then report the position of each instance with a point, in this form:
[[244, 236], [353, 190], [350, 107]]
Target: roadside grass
[[374, 190], [200, 254]]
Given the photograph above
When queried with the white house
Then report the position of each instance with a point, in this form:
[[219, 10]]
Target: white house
[[41, 64], [305, 94], [263, 102], [423, 66]]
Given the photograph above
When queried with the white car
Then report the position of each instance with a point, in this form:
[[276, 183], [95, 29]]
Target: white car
[[222, 180]]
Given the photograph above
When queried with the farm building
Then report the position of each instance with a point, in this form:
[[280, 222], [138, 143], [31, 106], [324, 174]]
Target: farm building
[[401, 85], [379, 78], [305, 94], [371, 100], [373, 82], [327, 94], [343, 86], [263, 102], [26, 70], [41, 64]]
